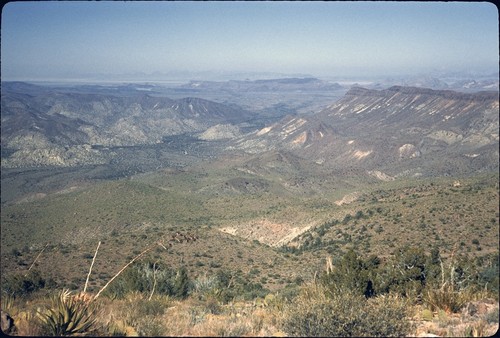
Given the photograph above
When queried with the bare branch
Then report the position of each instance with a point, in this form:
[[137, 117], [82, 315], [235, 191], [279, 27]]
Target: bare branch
[[37, 257], [91, 265], [122, 269], [154, 281]]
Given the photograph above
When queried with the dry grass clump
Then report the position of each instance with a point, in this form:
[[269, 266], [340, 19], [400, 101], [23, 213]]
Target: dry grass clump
[[467, 323], [447, 299], [194, 318], [136, 314], [318, 312]]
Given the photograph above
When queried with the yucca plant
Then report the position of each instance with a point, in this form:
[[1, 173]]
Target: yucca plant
[[68, 315], [7, 303]]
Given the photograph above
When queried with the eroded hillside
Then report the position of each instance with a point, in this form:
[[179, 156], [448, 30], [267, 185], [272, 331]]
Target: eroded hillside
[[400, 131]]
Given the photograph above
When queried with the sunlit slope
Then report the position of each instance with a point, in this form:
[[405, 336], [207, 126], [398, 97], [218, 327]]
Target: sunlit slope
[[129, 216], [399, 131]]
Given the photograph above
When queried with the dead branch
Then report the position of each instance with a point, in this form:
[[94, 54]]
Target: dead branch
[[91, 265]]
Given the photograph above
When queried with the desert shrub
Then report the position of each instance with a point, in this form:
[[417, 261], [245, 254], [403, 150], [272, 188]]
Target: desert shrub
[[213, 306], [218, 287], [427, 315], [387, 315], [289, 292], [249, 290], [319, 312], [15, 252], [352, 274], [359, 214], [346, 219], [181, 283], [140, 277], [417, 276], [140, 315], [433, 274], [204, 285], [150, 307], [22, 285], [404, 274], [488, 274], [224, 278], [225, 286], [150, 327], [234, 329]]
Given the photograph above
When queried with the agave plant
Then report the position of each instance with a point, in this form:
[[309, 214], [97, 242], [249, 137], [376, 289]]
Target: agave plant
[[68, 315]]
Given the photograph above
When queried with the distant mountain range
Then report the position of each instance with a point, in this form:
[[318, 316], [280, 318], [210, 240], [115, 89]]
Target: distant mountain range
[[45, 127], [385, 134], [462, 84], [270, 85], [311, 84]]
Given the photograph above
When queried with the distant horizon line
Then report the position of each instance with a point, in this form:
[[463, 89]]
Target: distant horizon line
[[226, 75], [173, 80]]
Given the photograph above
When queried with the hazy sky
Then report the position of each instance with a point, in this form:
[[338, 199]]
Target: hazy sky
[[77, 39]]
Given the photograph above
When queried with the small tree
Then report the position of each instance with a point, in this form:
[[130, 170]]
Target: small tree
[[352, 274], [406, 273]]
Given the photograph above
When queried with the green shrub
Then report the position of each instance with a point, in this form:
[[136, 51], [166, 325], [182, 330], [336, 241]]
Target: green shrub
[[140, 277], [404, 274], [249, 291], [352, 274], [346, 219], [427, 315], [22, 285], [181, 283], [488, 274], [16, 252]]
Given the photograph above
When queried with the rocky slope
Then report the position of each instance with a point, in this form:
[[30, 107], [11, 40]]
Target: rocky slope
[[399, 131], [47, 127], [393, 132]]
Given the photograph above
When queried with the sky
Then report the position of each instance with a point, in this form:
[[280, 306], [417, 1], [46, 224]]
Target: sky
[[72, 39]]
